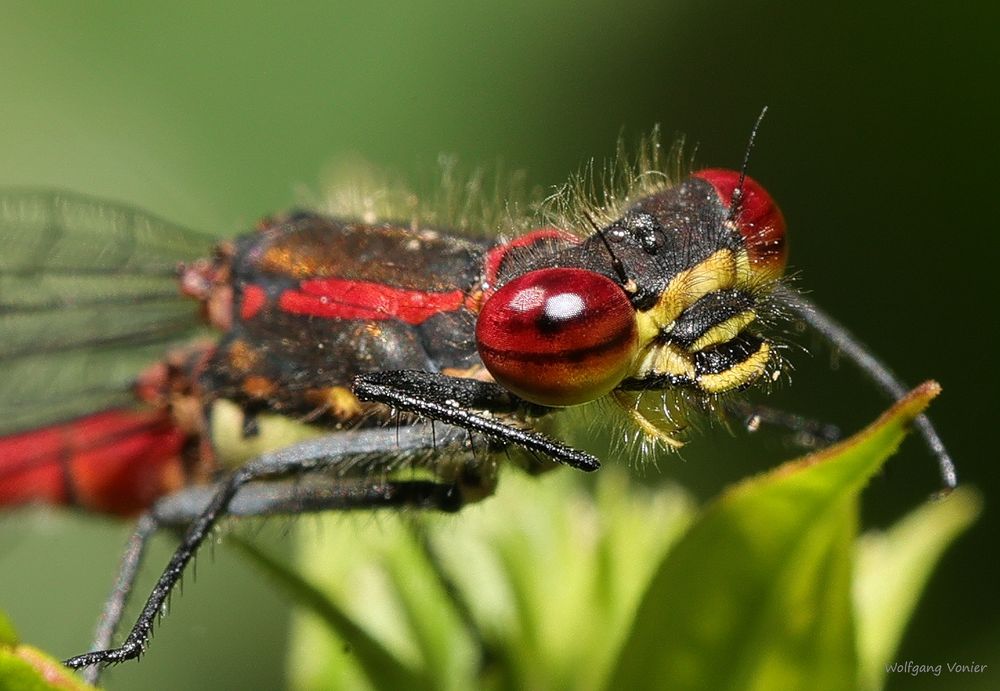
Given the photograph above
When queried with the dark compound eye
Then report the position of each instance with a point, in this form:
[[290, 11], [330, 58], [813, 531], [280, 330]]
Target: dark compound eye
[[759, 219], [558, 337]]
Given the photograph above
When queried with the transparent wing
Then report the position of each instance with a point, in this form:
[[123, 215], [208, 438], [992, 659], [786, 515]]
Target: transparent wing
[[88, 295]]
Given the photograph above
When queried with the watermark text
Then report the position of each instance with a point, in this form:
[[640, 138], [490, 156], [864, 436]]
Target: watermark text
[[915, 669]]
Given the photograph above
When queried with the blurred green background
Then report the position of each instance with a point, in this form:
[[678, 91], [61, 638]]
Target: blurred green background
[[880, 146]]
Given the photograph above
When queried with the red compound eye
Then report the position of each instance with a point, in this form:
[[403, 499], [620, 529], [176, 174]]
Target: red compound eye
[[760, 221], [558, 337]]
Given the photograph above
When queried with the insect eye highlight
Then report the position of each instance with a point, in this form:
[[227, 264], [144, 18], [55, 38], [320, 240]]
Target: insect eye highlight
[[558, 337]]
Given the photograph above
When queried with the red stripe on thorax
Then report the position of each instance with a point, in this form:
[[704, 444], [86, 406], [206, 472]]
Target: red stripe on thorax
[[494, 258], [344, 299], [252, 302]]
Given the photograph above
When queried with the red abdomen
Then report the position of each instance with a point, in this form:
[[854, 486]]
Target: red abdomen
[[115, 461]]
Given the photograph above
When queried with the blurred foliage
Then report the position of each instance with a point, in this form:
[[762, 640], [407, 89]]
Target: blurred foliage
[[25, 668], [879, 146], [561, 587], [565, 585], [891, 569]]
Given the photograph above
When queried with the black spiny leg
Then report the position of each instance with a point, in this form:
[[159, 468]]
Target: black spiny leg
[[202, 509], [114, 606], [811, 433], [880, 373], [448, 399]]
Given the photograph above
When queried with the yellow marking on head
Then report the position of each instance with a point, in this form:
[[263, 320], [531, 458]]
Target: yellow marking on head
[[739, 374], [746, 274], [666, 358], [717, 272], [646, 418], [724, 331], [650, 429]]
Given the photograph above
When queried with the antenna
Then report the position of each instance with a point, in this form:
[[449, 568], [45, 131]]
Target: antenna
[[616, 263], [737, 199]]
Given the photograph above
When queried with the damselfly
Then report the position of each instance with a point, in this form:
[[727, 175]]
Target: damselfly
[[342, 339]]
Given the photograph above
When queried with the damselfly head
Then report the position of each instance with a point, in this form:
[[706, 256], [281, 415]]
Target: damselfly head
[[670, 295]]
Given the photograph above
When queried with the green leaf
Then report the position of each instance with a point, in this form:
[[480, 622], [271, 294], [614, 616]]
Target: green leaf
[[554, 583], [26, 668], [534, 588], [757, 595], [8, 636], [395, 626], [387, 671], [891, 571], [553, 572], [18, 675]]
